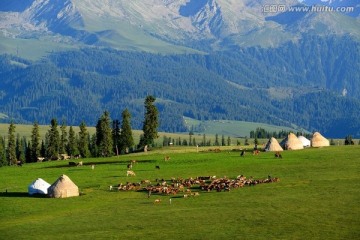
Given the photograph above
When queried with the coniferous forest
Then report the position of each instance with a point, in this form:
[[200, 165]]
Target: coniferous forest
[[303, 83]]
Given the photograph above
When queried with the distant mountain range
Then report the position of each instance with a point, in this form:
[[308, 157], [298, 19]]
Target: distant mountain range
[[249, 44]]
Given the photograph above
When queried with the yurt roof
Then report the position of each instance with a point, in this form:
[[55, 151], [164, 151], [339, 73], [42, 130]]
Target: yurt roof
[[318, 140], [291, 142], [63, 187], [273, 145], [306, 142], [39, 186]]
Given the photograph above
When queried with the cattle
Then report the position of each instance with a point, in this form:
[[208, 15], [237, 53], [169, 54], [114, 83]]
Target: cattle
[[242, 154], [166, 158], [157, 167], [278, 155], [129, 166], [130, 173], [64, 156], [77, 156], [157, 200], [19, 163], [40, 159], [256, 152], [72, 164], [145, 181], [80, 164]]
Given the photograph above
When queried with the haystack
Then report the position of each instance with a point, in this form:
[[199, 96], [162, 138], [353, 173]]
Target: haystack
[[273, 146], [63, 188], [318, 140], [306, 142], [39, 186], [291, 142]]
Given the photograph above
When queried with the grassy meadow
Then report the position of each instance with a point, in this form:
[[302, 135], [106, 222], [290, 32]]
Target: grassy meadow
[[317, 197]]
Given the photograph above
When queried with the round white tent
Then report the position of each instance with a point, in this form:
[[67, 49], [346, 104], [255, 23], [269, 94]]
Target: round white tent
[[306, 142], [39, 186], [63, 187]]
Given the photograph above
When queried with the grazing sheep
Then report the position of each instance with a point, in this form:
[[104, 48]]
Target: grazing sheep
[[131, 173], [157, 201]]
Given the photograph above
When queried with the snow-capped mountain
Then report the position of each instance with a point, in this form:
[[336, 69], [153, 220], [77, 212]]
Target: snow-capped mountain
[[164, 25]]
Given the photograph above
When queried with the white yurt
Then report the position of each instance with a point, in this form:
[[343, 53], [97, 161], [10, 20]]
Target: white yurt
[[39, 186], [63, 187], [306, 142]]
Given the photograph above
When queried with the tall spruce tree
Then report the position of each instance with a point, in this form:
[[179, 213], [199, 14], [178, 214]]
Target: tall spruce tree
[[116, 136], [11, 150], [83, 142], [35, 143], [52, 151], [104, 139], [126, 137], [20, 148], [3, 161], [63, 138], [150, 123], [71, 147]]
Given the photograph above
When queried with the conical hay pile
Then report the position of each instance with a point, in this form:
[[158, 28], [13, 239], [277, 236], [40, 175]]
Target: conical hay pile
[[293, 143], [273, 146], [63, 188], [319, 141]]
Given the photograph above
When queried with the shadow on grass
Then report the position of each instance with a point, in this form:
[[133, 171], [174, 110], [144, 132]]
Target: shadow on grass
[[101, 163], [21, 195]]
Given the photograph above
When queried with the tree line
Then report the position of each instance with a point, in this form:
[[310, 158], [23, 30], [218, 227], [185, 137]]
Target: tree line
[[112, 137]]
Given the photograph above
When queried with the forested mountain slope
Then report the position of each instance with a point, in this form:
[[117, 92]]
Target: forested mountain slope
[[313, 83]]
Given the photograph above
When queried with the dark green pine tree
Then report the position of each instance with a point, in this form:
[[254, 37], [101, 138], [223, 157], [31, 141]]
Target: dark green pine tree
[[116, 136], [83, 142], [150, 123], [223, 140], [93, 147], [28, 152], [71, 147], [11, 150], [52, 150], [42, 149], [35, 143], [63, 138], [228, 141], [20, 148], [3, 161], [126, 136], [104, 139], [216, 140]]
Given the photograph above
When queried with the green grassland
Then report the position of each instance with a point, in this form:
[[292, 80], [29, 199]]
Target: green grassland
[[317, 197], [234, 128]]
